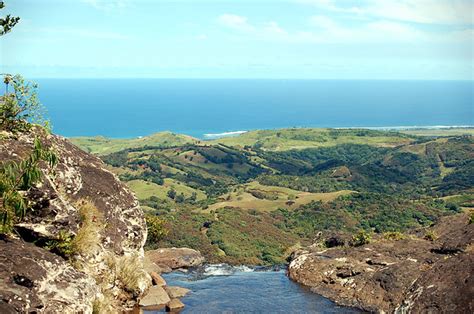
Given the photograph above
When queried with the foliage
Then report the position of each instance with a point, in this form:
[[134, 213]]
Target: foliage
[[7, 22], [16, 179], [21, 107], [156, 229], [393, 236], [430, 235], [129, 271], [87, 240], [362, 237], [62, 244]]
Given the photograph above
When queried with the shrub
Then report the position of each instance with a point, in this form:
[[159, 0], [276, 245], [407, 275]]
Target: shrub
[[156, 229], [129, 271], [87, 240], [360, 238], [62, 244], [18, 178], [394, 236], [21, 107], [430, 235]]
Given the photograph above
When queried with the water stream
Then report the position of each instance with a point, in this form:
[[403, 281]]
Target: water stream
[[226, 289]]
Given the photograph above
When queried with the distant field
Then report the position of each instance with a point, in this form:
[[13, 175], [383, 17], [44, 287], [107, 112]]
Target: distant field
[[270, 198], [440, 132], [144, 189], [101, 145], [287, 139]]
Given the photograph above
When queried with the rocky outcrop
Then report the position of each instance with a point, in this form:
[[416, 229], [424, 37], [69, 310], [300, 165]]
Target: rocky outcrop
[[175, 258], [34, 279], [407, 275]]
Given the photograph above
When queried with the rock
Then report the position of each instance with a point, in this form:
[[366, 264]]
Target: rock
[[410, 275], [174, 305], [34, 280], [176, 292], [156, 297], [175, 258], [157, 279], [150, 267], [78, 177]]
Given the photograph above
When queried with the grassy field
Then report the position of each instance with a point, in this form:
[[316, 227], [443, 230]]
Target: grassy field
[[440, 132], [268, 198], [144, 189], [102, 146], [287, 139]]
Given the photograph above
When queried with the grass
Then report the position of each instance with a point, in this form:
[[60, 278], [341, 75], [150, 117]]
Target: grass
[[102, 146], [440, 132], [301, 138], [279, 197], [144, 189], [129, 271], [87, 240]]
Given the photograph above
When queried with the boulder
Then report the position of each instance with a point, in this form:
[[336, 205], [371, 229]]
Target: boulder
[[156, 297], [120, 234], [157, 279], [174, 305], [175, 258], [408, 275], [176, 292], [35, 280]]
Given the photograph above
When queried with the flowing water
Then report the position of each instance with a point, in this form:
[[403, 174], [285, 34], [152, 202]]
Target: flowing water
[[226, 289]]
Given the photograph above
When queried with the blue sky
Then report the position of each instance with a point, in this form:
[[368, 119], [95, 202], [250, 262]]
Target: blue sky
[[323, 39]]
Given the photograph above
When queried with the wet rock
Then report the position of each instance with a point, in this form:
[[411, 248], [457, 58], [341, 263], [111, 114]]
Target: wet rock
[[176, 292], [156, 297], [174, 305], [175, 258]]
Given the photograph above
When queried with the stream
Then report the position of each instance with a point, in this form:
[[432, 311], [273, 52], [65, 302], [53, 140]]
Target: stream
[[226, 289]]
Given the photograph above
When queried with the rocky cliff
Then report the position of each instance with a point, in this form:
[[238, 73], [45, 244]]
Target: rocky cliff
[[411, 274], [80, 246]]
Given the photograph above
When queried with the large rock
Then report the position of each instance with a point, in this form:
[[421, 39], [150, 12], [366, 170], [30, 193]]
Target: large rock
[[409, 275], [78, 177], [35, 280], [175, 257], [156, 297], [176, 292]]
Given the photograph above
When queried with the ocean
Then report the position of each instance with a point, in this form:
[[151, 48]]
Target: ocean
[[126, 108]]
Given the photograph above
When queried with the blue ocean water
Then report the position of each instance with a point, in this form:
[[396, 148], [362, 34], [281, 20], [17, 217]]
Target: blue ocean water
[[137, 107]]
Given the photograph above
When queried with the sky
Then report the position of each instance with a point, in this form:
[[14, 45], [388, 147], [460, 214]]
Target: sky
[[291, 39]]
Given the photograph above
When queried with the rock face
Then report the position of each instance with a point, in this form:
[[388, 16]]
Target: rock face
[[49, 282], [408, 275], [175, 258]]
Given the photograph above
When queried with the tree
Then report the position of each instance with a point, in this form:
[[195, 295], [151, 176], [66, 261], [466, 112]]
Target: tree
[[21, 105], [180, 198], [7, 22], [172, 193]]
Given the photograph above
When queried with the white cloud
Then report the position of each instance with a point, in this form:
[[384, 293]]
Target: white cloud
[[448, 12], [235, 22], [107, 5]]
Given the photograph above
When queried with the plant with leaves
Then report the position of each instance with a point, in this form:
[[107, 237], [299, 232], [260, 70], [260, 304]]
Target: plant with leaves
[[7, 22], [16, 179], [20, 107]]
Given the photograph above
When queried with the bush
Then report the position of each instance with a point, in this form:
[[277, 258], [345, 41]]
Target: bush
[[156, 229], [21, 107], [430, 235], [18, 178], [394, 236], [361, 238]]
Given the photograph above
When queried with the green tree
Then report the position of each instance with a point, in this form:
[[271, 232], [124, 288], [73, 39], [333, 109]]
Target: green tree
[[7, 22], [21, 106], [171, 193]]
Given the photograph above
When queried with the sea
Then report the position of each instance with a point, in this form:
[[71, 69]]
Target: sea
[[207, 108]]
